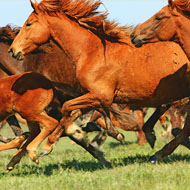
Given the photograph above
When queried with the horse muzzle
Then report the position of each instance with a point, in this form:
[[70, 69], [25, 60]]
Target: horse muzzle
[[136, 41], [18, 56]]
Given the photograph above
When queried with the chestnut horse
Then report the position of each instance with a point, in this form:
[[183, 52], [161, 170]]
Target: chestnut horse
[[50, 53], [47, 55], [17, 91], [62, 71], [171, 23], [35, 62], [105, 64]]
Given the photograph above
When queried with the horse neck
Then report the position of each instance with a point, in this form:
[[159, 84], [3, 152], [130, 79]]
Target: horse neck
[[11, 65], [42, 62], [74, 40], [183, 34]]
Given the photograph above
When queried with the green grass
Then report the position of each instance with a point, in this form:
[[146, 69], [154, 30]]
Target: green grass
[[70, 167]]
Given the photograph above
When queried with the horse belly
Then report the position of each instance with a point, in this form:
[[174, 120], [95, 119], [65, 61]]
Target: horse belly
[[149, 82], [152, 95]]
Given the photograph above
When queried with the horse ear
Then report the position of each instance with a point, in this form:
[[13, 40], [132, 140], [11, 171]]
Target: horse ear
[[170, 3], [172, 6], [34, 5]]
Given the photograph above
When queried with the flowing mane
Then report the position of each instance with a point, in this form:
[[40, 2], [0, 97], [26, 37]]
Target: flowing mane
[[8, 33], [86, 14], [181, 5]]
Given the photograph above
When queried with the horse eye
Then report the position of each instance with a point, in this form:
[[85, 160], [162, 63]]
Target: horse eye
[[28, 24], [158, 18]]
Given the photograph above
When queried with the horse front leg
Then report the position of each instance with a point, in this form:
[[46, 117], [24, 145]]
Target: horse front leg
[[70, 112], [88, 102], [34, 131], [148, 127], [172, 145]]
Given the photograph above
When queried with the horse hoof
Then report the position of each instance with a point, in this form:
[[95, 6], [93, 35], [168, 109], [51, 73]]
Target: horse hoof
[[33, 156], [44, 153], [105, 163], [153, 159], [9, 169], [121, 138], [36, 161], [151, 138], [108, 164], [26, 134]]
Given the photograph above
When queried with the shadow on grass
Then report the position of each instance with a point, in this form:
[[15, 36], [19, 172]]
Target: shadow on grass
[[27, 170], [176, 158], [116, 144], [90, 166]]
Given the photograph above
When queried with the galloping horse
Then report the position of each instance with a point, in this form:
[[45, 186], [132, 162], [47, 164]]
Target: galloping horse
[[17, 91], [46, 54], [40, 62], [50, 53], [107, 66], [171, 23]]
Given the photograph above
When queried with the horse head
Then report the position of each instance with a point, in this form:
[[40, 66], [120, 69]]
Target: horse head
[[34, 32], [160, 27]]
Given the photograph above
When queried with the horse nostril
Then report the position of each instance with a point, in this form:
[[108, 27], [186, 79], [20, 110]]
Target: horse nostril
[[11, 52], [132, 36]]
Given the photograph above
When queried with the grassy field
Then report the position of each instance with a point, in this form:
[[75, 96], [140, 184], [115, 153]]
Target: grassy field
[[70, 167]]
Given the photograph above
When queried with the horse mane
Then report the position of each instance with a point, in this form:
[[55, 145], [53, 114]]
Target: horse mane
[[8, 33], [86, 14], [181, 5]]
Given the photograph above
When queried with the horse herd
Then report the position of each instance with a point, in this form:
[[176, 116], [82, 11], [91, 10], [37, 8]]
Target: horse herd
[[70, 60]]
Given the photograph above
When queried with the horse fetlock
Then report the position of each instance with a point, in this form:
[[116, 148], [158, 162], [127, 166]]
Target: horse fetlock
[[9, 169], [32, 154], [151, 138], [45, 152], [156, 158], [46, 149], [100, 156], [121, 138]]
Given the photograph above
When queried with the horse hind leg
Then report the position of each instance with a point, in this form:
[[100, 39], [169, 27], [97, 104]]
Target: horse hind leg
[[5, 139], [140, 122], [99, 139], [111, 130], [21, 137], [15, 143], [172, 145], [34, 131], [13, 122], [48, 124]]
